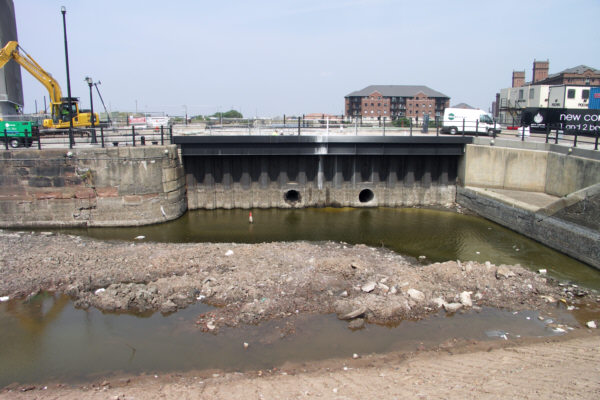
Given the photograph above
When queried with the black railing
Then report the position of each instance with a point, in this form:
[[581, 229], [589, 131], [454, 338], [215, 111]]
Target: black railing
[[108, 137]]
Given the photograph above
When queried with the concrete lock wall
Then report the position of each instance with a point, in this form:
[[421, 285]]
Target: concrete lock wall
[[315, 181], [91, 187], [505, 168], [526, 169], [568, 224], [566, 174]]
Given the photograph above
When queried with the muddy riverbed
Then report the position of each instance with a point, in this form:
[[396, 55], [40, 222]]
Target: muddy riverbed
[[256, 283], [251, 283]]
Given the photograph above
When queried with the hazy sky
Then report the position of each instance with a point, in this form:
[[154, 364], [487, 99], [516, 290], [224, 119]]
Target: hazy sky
[[280, 57]]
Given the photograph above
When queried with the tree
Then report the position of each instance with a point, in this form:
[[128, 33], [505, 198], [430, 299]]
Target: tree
[[228, 114]]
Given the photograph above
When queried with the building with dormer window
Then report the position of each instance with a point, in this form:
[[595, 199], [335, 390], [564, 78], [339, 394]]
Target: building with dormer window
[[390, 102]]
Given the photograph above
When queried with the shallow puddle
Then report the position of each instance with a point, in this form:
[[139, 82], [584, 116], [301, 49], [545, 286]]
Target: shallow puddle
[[48, 339]]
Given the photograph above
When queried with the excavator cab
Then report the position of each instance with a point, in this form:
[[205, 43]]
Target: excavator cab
[[63, 109]]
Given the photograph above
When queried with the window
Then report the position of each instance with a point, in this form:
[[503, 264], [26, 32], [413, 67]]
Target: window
[[521, 94], [585, 94], [571, 94], [378, 104], [531, 94]]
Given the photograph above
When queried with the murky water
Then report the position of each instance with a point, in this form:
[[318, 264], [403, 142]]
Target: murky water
[[48, 339]]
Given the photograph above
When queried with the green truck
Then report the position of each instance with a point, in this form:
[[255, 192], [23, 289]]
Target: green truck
[[19, 133]]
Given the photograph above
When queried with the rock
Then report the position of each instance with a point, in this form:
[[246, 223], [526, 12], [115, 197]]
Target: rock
[[465, 299], [416, 295], [393, 290], [503, 272], [168, 306], [591, 324], [438, 302], [549, 299], [344, 293], [384, 288], [452, 307], [355, 356], [368, 287], [357, 323], [246, 345], [354, 313]]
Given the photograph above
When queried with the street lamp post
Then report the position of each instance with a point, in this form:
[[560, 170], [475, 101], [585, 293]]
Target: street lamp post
[[92, 118], [63, 10]]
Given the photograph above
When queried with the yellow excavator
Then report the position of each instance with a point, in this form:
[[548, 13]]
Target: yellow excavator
[[59, 104]]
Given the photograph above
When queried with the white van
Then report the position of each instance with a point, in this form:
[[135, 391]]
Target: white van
[[470, 120]]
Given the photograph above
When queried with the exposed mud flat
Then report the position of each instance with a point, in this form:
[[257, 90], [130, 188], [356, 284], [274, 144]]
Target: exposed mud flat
[[251, 283]]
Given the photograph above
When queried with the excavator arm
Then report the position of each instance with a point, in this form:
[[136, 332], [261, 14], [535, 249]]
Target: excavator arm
[[11, 51], [60, 105]]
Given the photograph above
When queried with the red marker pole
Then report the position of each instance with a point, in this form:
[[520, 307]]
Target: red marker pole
[[250, 220]]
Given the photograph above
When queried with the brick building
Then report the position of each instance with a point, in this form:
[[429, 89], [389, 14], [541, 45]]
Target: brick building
[[582, 75], [569, 88], [377, 102]]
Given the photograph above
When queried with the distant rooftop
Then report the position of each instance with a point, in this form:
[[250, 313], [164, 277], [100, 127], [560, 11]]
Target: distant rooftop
[[397, 91], [580, 69], [463, 105]]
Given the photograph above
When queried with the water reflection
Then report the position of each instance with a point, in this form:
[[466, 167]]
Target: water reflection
[[71, 345]]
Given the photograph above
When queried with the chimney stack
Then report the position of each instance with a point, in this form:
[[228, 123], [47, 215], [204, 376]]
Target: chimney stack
[[518, 78], [540, 70]]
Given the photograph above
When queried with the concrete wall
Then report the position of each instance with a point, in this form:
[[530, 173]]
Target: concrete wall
[[504, 168], [314, 181], [536, 170], [579, 242], [91, 187], [567, 174]]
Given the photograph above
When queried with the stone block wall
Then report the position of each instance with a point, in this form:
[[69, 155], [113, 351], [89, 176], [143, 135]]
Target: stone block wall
[[91, 187]]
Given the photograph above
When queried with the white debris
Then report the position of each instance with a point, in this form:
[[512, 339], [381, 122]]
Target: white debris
[[98, 291], [439, 302], [140, 237], [4, 298], [591, 324], [542, 271], [229, 253], [452, 307], [415, 294], [465, 299], [368, 287]]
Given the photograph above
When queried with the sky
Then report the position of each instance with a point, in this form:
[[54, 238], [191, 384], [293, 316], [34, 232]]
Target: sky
[[273, 57]]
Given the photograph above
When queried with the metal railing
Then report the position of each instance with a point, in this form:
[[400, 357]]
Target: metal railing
[[143, 136], [98, 137]]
